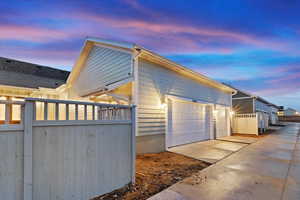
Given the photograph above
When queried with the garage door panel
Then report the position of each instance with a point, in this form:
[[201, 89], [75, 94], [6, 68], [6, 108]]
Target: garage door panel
[[222, 122], [188, 122]]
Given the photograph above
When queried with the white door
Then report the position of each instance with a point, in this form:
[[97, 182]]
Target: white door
[[187, 122], [222, 122]]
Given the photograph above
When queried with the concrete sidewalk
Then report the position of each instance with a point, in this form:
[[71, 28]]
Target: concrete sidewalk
[[267, 169]]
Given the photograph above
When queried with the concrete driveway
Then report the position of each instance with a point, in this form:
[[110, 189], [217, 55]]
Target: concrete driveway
[[210, 151], [266, 169]]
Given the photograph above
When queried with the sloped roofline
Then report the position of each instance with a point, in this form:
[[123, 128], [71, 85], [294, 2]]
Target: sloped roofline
[[253, 96], [90, 41]]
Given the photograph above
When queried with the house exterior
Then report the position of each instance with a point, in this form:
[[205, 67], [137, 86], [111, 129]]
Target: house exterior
[[175, 105], [19, 80], [287, 112], [245, 103]]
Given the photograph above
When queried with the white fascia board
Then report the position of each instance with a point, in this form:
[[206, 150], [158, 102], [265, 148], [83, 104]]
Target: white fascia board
[[191, 73], [201, 101], [242, 98], [118, 44]]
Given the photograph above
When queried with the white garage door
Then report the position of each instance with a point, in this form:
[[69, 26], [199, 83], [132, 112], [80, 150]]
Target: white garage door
[[187, 122], [222, 122]]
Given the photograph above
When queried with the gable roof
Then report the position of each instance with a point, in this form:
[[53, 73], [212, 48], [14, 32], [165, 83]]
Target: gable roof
[[23, 74], [241, 94], [145, 53]]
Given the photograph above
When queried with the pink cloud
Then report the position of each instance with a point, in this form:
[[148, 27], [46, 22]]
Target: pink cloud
[[284, 88], [173, 28], [56, 58], [286, 78], [31, 34]]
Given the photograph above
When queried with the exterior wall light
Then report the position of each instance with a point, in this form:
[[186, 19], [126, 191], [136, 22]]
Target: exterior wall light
[[215, 112], [163, 103]]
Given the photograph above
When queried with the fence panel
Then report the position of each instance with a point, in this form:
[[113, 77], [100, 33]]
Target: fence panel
[[80, 161], [245, 124], [53, 157], [11, 163]]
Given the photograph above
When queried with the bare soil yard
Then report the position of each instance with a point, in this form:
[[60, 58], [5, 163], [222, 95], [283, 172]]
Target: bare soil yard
[[154, 173]]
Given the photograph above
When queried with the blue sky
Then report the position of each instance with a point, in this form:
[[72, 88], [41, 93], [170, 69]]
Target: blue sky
[[251, 44]]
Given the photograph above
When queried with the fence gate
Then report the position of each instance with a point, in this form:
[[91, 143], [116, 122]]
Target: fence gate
[[65, 149], [245, 123]]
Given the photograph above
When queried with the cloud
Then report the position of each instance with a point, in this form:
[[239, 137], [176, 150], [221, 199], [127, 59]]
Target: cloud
[[191, 38], [59, 58], [32, 34]]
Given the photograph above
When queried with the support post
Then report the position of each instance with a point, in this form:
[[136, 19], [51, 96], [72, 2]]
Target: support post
[[28, 118], [8, 113], [133, 142]]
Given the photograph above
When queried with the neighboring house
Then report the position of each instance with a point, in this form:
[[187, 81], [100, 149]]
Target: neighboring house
[[175, 105], [287, 112], [245, 103], [19, 80]]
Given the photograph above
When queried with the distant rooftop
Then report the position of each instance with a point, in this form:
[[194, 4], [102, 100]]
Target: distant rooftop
[[24, 74], [241, 93]]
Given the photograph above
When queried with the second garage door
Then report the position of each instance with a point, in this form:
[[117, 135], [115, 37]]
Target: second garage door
[[222, 122], [187, 122]]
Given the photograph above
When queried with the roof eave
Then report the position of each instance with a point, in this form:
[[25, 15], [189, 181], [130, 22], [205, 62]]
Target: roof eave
[[192, 73], [130, 47]]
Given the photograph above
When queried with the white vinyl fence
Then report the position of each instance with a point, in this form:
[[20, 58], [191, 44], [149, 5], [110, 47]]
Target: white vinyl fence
[[64, 158], [245, 123], [252, 123]]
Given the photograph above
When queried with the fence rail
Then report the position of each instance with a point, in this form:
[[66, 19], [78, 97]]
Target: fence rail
[[11, 112], [50, 109], [247, 115]]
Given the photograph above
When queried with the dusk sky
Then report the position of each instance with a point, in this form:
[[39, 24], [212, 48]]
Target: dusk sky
[[252, 44]]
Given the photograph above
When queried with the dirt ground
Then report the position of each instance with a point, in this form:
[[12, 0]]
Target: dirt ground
[[154, 173]]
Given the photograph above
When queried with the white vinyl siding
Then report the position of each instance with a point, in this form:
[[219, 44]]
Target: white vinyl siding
[[155, 81], [104, 66], [260, 106]]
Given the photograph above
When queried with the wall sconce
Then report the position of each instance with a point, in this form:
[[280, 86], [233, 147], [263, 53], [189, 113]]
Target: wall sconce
[[163, 103], [215, 112], [232, 113]]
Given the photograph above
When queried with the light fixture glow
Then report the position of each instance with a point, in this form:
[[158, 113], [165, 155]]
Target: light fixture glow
[[163, 105], [215, 112]]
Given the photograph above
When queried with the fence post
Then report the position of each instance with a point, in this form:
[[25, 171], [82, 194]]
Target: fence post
[[28, 118], [133, 142]]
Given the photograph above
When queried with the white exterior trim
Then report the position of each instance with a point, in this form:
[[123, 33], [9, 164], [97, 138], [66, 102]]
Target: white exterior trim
[[135, 88], [242, 97]]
